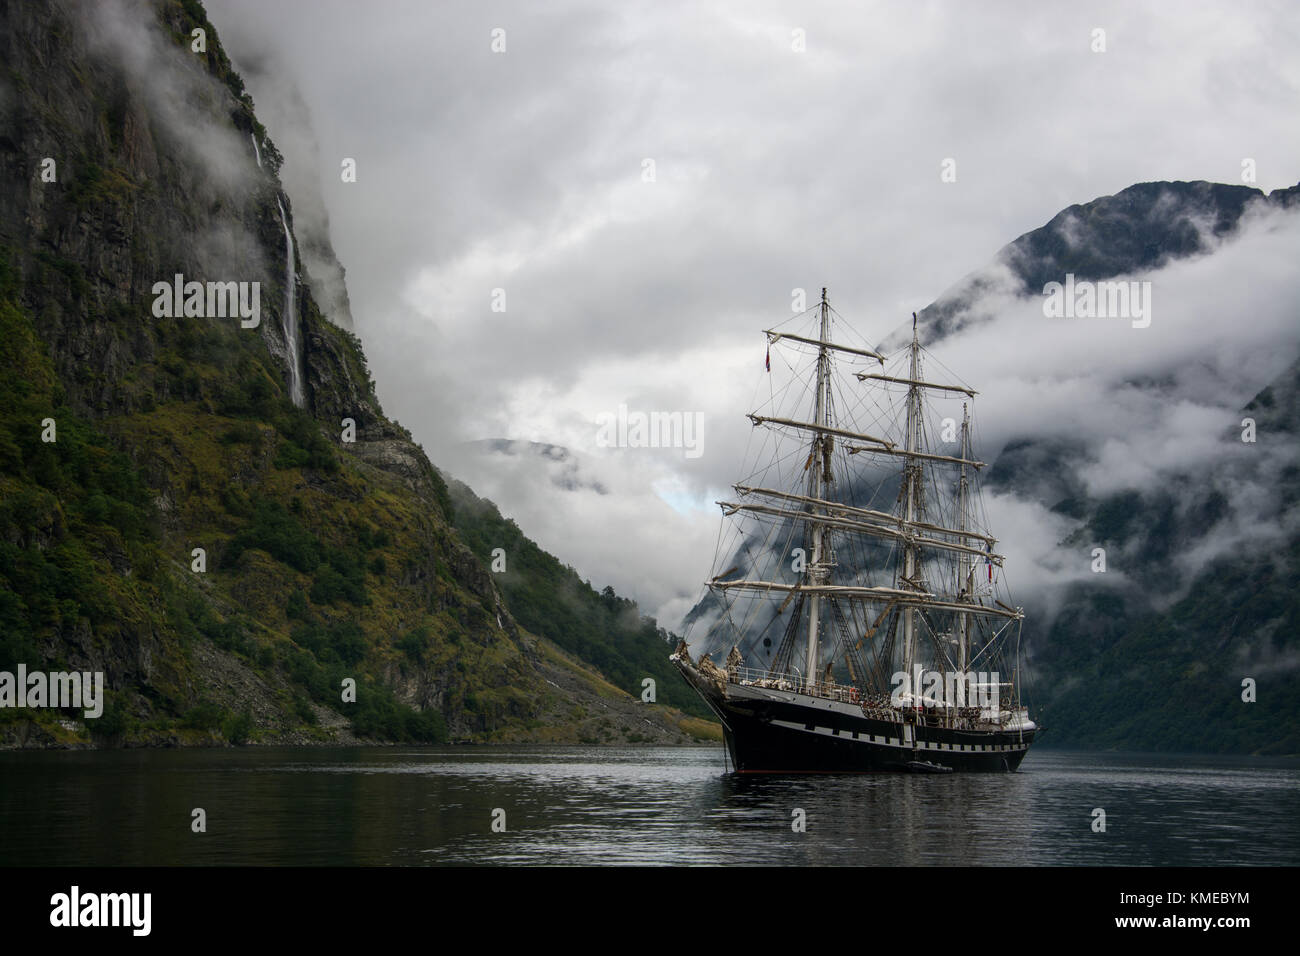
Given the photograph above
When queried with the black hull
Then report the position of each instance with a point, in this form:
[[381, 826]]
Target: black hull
[[807, 735], [758, 745]]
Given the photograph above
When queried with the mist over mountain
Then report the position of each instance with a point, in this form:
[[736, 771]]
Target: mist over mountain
[[208, 505], [1138, 230], [228, 555], [522, 171], [1103, 432], [563, 466]]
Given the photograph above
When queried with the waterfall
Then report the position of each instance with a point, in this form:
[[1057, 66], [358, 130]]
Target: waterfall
[[289, 321], [290, 318]]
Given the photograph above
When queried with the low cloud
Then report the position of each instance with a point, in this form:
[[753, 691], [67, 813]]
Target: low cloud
[[775, 170]]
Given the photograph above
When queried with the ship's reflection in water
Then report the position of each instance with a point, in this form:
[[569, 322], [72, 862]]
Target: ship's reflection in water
[[574, 805]]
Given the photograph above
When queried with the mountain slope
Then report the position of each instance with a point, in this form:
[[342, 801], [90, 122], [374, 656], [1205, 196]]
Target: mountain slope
[[1130, 440], [1123, 667], [226, 558], [550, 599]]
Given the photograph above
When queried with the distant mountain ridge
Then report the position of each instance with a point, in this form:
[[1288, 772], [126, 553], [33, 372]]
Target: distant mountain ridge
[[1150, 656], [1231, 615], [1138, 229]]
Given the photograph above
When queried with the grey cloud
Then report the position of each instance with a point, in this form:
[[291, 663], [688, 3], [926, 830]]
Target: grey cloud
[[774, 170]]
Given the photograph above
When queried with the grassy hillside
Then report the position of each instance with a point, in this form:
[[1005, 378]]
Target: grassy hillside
[[550, 599]]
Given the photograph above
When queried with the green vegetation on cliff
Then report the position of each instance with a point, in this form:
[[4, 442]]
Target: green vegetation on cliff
[[549, 598], [85, 569], [240, 569]]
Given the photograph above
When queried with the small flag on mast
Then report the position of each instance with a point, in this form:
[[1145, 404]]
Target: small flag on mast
[[769, 358]]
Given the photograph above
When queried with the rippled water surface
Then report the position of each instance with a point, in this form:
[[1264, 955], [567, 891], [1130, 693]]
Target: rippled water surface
[[576, 805]]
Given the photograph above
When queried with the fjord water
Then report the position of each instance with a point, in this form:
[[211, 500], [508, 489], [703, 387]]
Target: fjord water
[[591, 805]]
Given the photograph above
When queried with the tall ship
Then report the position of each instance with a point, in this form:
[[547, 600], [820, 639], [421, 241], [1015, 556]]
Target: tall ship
[[860, 617]]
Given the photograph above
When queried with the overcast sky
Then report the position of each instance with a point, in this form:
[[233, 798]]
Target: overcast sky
[[775, 168]]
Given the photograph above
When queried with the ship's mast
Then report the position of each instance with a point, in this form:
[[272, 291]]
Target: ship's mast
[[964, 571], [820, 477], [822, 516], [912, 488]]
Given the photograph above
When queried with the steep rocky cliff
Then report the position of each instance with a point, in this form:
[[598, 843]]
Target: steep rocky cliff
[[228, 557]]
